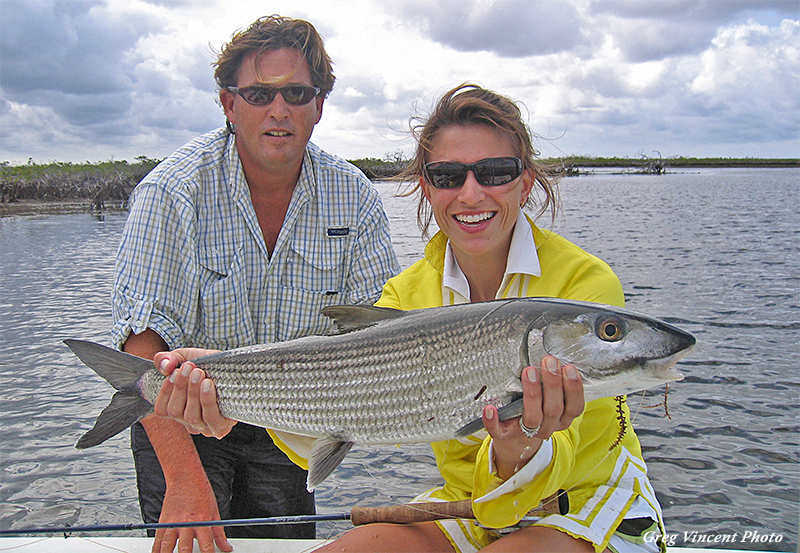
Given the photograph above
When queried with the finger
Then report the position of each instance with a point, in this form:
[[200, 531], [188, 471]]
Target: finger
[[177, 400], [186, 541], [205, 540], [491, 422], [193, 413], [221, 539], [552, 397], [532, 415], [166, 362], [574, 402], [160, 406], [165, 541], [217, 423], [156, 548]]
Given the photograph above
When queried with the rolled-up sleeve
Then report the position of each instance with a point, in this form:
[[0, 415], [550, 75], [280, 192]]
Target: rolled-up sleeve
[[154, 272]]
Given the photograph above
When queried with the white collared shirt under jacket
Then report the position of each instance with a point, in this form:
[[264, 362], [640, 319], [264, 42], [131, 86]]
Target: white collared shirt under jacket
[[193, 265]]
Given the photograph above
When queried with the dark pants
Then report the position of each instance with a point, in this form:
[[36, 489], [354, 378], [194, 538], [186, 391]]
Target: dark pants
[[250, 476]]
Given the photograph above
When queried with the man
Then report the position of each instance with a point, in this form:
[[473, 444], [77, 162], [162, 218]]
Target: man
[[241, 237]]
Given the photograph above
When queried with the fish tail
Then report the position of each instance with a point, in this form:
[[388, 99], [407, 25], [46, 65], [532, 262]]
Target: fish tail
[[122, 371]]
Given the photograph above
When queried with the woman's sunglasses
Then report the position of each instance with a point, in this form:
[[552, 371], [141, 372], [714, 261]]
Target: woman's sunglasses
[[493, 171], [263, 95]]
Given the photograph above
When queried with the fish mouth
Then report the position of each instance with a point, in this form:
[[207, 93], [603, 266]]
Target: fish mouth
[[664, 368]]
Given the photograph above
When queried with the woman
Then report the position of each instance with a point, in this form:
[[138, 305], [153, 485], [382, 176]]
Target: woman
[[475, 170]]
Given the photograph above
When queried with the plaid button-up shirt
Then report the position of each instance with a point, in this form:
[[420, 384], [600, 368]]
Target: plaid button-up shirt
[[193, 265]]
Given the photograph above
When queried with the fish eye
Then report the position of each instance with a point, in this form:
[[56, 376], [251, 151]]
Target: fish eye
[[610, 328]]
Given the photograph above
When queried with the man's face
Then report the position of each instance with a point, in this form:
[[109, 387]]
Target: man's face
[[272, 138]]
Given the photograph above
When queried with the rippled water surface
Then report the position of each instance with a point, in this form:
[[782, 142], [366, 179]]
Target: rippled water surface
[[713, 251]]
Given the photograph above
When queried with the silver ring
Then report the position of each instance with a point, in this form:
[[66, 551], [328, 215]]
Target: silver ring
[[529, 432]]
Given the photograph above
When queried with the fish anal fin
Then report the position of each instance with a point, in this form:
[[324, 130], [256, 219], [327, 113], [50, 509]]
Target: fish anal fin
[[349, 318], [326, 454]]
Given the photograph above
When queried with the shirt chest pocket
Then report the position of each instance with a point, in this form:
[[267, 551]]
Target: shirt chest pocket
[[315, 275], [224, 315], [318, 266]]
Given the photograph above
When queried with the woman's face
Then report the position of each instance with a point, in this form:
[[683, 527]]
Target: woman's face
[[478, 219]]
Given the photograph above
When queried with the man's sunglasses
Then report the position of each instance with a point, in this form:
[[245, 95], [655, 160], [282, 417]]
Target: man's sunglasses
[[493, 171], [263, 95]]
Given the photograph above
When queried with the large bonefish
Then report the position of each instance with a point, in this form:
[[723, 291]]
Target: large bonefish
[[394, 377]]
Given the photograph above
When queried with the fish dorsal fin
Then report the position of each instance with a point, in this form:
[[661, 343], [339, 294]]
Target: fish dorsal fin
[[356, 317], [326, 454]]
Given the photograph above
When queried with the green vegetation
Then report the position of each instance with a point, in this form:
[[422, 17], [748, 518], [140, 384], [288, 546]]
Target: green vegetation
[[389, 166], [108, 183], [670, 162], [576, 165]]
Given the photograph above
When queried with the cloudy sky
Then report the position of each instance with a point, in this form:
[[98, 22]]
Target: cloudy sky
[[115, 79]]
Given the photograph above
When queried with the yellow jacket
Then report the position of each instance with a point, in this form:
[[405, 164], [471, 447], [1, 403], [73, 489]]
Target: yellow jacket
[[599, 465]]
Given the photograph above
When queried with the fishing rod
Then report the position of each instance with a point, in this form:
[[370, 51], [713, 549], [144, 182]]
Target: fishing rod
[[358, 516], [67, 530]]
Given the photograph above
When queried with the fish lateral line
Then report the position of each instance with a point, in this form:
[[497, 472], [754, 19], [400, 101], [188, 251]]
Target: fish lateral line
[[515, 329]]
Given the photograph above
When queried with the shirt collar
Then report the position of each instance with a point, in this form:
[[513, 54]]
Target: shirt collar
[[522, 259]]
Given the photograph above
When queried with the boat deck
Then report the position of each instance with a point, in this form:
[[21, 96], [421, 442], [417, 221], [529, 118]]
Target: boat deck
[[143, 545]]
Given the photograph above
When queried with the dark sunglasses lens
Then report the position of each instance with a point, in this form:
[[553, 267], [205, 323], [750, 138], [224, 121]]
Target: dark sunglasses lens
[[298, 95], [258, 95], [489, 172], [496, 172], [446, 175]]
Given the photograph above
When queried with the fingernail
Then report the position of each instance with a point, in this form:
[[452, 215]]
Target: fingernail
[[206, 386], [572, 374], [173, 376], [197, 376], [163, 366], [530, 374], [551, 365], [186, 370], [488, 412]]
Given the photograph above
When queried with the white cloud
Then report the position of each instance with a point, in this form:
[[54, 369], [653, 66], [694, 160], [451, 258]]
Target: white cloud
[[91, 79]]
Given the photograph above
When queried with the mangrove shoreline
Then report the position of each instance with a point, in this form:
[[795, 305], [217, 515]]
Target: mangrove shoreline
[[67, 187]]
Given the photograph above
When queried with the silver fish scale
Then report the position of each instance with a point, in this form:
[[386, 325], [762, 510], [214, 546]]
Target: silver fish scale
[[389, 383]]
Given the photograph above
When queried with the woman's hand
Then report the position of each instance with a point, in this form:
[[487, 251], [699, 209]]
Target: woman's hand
[[187, 396], [552, 399]]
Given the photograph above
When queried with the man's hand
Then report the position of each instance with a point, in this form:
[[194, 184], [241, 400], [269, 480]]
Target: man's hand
[[190, 500], [187, 396]]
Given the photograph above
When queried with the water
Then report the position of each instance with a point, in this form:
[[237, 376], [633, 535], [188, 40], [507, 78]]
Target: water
[[713, 251]]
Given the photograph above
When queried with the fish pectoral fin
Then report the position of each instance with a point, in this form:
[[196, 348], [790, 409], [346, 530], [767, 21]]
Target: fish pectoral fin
[[326, 454], [470, 428], [513, 409], [356, 317]]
